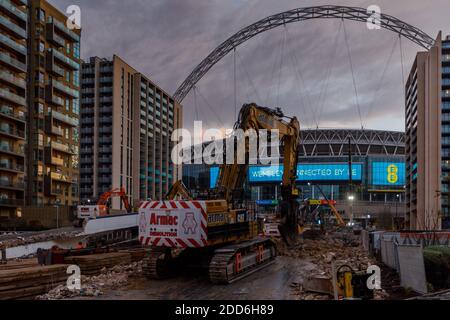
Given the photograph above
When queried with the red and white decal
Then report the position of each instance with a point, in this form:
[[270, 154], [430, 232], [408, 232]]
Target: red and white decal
[[175, 224]]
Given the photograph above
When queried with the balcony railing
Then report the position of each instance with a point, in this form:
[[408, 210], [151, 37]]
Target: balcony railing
[[11, 166], [12, 97], [11, 202], [65, 60], [54, 38], [12, 184], [50, 97], [11, 78], [60, 177], [16, 30], [19, 151], [65, 89], [8, 111], [63, 28], [13, 132], [14, 10], [12, 44], [14, 63], [61, 147], [64, 118]]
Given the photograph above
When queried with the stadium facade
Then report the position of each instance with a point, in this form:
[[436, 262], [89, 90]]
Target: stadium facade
[[377, 183]]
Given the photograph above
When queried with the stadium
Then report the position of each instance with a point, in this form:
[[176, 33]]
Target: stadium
[[377, 184]]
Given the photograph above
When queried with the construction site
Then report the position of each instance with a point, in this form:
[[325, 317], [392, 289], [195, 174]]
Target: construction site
[[224, 246], [104, 196]]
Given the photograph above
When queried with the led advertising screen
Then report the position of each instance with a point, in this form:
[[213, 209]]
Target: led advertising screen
[[213, 176], [388, 173], [307, 172]]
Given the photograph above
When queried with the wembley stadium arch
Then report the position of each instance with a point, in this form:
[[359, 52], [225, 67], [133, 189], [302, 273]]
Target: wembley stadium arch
[[296, 15]]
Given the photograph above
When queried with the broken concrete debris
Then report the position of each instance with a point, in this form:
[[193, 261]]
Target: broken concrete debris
[[94, 286]]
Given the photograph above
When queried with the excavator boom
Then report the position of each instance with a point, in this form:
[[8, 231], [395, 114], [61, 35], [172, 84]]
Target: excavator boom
[[232, 176]]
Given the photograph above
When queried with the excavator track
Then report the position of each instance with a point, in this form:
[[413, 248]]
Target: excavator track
[[234, 262], [157, 264]]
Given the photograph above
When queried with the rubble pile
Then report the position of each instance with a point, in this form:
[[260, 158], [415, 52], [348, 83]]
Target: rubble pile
[[321, 252], [94, 286], [40, 237]]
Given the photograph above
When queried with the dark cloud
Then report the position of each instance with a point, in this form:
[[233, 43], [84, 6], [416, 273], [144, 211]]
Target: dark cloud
[[166, 39]]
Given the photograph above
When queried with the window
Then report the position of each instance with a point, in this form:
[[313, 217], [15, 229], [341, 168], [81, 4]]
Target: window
[[40, 14], [76, 78], [67, 104], [67, 76], [76, 106], [39, 77], [68, 48], [76, 50], [41, 47]]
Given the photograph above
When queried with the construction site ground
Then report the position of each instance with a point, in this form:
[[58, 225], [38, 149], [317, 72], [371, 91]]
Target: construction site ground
[[284, 279]]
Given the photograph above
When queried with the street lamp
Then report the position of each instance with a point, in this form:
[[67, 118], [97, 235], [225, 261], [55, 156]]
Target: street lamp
[[351, 197]]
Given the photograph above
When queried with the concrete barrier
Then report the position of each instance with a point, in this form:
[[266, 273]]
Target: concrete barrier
[[412, 267], [389, 253]]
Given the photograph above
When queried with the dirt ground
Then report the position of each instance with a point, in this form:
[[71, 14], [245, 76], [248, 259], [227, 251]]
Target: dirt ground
[[271, 283], [282, 280]]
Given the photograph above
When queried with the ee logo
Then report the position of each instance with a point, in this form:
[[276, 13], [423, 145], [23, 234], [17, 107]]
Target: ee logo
[[392, 176]]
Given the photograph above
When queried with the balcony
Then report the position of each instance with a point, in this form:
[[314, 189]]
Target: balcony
[[10, 43], [52, 67], [53, 37], [12, 97], [61, 147], [88, 81], [65, 89], [8, 112], [72, 36], [12, 168], [6, 202], [51, 129], [106, 100], [50, 97], [11, 8], [13, 132], [106, 80], [88, 101], [106, 90], [12, 185], [50, 159], [12, 79], [13, 28], [64, 118], [60, 177], [68, 62], [15, 64], [16, 151]]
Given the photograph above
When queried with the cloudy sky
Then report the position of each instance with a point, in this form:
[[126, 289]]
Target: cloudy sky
[[303, 68]]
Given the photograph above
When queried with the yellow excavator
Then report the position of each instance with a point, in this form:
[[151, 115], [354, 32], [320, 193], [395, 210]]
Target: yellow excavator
[[222, 233]]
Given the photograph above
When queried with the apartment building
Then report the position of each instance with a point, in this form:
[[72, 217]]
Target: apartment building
[[53, 114], [428, 138], [126, 126], [13, 68]]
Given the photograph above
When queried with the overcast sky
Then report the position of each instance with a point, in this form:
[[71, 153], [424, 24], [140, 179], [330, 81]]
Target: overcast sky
[[298, 67]]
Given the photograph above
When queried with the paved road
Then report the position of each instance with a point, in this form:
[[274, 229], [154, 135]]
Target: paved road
[[273, 282]]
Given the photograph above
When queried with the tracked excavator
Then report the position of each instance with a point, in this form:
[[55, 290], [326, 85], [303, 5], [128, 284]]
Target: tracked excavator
[[221, 234]]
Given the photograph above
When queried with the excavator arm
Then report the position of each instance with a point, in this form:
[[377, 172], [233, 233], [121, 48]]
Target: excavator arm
[[178, 190], [232, 176], [118, 192]]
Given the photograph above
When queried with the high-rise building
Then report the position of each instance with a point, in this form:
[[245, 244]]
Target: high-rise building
[[126, 126], [53, 108], [428, 138], [13, 68]]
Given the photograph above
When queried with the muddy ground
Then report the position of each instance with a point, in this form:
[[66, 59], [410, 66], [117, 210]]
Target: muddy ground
[[282, 280]]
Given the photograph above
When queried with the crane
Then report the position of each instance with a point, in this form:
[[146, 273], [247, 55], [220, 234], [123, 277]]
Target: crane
[[222, 233]]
